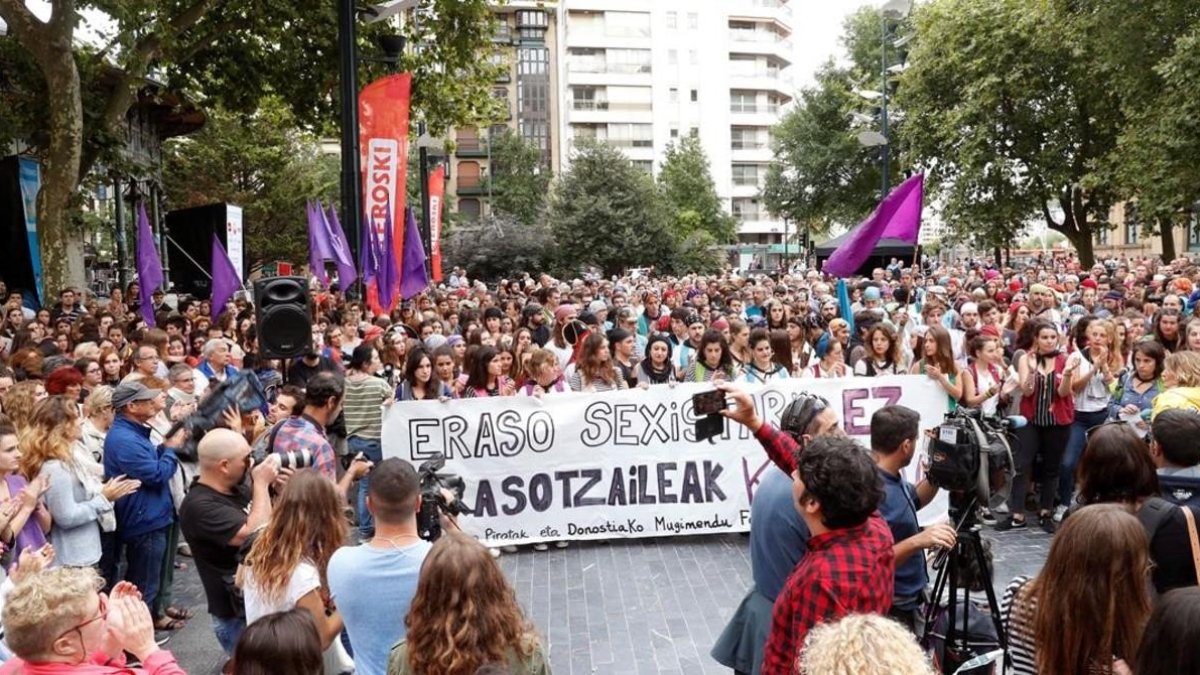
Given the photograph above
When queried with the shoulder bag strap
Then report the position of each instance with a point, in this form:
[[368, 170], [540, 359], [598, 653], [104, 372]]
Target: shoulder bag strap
[[1191, 525]]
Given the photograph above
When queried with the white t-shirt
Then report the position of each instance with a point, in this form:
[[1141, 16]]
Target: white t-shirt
[[1095, 395], [304, 579]]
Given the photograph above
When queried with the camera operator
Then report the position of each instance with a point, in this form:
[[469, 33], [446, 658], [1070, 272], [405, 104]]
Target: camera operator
[[374, 583], [778, 539], [306, 432], [217, 516], [849, 565], [894, 433]]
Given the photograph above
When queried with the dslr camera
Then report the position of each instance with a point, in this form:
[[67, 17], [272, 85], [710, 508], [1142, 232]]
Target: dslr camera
[[433, 501]]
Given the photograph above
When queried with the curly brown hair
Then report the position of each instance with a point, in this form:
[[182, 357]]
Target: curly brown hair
[[51, 430], [306, 525], [21, 400], [464, 614]]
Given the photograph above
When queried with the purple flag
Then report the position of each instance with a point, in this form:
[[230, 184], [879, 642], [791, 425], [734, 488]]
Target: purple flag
[[897, 216], [149, 266], [388, 278], [225, 278], [412, 277], [319, 248], [341, 252], [368, 252]]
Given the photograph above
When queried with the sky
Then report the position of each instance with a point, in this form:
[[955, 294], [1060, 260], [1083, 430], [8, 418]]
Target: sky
[[816, 31]]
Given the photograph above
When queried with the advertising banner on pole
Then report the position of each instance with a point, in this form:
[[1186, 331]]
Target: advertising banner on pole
[[383, 108], [30, 173], [437, 190], [624, 464]]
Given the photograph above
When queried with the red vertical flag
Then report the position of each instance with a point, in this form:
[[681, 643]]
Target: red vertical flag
[[437, 189], [383, 142]]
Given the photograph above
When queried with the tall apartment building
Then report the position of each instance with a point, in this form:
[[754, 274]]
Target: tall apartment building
[[527, 44], [640, 74]]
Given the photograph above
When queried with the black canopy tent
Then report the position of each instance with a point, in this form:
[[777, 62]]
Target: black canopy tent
[[883, 253]]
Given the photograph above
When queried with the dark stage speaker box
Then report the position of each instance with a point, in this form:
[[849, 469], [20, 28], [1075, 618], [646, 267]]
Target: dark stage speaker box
[[189, 245], [284, 317]]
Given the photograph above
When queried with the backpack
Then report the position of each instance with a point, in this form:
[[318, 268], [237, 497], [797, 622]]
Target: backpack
[[1180, 490], [981, 639]]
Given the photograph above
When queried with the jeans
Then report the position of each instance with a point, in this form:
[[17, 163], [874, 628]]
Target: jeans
[[144, 557], [1084, 422], [1031, 440], [110, 559], [372, 449], [228, 631], [167, 577]]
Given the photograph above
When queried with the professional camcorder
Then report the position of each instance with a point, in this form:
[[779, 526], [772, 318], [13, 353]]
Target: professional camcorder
[[243, 391], [433, 502], [970, 452]]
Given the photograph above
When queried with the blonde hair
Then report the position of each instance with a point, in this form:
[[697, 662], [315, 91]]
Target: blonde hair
[[98, 401], [1185, 365], [20, 402], [49, 435], [46, 605], [862, 644]]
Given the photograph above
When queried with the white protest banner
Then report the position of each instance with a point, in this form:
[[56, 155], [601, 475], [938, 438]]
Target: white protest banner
[[623, 464]]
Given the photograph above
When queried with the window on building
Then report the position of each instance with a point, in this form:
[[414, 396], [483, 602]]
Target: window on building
[[468, 175], [674, 132], [645, 165], [742, 101], [631, 135], [1133, 224], [693, 20], [743, 65], [1194, 228], [1102, 235], [745, 209], [745, 174], [695, 96], [627, 24], [628, 60], [672, 57], [590, 131], [584, 98], [745, 138], [469, 209], [672, 20], [532, 25], [674, 94], [533, 97], [585, 60], [628, 98]]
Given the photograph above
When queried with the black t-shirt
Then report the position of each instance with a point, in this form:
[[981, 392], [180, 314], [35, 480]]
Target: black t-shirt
[[1171, 550], [299, 372], [209, 520]]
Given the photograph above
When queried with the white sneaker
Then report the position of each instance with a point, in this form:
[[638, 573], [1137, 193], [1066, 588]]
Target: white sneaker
[[541, 546], [495, 552], [509, 549], [562, 543], [1059, 512]]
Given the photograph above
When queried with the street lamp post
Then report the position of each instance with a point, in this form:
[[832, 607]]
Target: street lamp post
[[351, 183]]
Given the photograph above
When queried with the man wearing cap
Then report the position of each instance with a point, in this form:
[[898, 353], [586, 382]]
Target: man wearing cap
[[599, 309], [144, 518], [1111, 304]]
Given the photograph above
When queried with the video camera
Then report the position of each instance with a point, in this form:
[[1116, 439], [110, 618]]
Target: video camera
[[433, 502], [242, 390], [970, 452]]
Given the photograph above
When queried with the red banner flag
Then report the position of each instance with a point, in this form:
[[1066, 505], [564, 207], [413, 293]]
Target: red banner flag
[[437, 189], [383, 144]]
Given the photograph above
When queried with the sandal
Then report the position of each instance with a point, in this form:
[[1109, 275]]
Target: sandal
[[179, 613], [167, 623]]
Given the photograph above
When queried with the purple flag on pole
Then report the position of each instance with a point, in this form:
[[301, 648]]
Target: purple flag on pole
[[897, 216], [225, 278], [341, 251], [319, 248], [368, 252], [412, 278], [149, 266], [388, 279]]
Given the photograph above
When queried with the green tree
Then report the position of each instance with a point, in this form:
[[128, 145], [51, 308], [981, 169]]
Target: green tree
[[607, 213], [517, 179], [691, 196], [260, 162], [1012, 119], [231, 52], [512, 247]]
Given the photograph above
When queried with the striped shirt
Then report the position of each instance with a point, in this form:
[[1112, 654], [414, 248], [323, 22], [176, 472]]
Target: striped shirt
[[362, 400], [1019, 618]]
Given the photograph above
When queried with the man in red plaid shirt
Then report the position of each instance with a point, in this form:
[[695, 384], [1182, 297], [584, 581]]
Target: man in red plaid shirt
[[850, 566]]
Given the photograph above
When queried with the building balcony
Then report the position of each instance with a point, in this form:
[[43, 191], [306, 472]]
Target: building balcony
[[471, 147], [469, 185], [750, 152], [777, 11], [762, 42], [759, 223]]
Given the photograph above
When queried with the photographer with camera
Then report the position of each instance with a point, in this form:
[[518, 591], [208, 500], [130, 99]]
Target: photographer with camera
[[894, 433], [374, 583], [849, 565], [218, 514]]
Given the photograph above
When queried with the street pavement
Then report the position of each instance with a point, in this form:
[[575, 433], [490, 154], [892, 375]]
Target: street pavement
[[638, 606]]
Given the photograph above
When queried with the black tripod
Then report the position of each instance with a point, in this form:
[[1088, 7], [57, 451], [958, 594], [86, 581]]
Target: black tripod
[[956, 647]]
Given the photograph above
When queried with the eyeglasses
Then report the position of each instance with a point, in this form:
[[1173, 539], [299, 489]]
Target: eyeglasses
[[101, 615], [93, 370]]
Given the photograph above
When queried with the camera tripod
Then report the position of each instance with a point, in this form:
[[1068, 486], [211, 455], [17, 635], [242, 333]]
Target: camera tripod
[[956, 647]]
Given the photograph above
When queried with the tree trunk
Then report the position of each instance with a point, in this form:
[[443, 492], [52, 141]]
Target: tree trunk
[[997, 255], [62, 254], [1167, 228], [1083, 245]]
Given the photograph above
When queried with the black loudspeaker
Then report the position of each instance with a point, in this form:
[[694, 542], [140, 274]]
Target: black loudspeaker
[[283, 315]]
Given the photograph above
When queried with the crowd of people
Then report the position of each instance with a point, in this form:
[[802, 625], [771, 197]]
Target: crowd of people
[[103, 499]]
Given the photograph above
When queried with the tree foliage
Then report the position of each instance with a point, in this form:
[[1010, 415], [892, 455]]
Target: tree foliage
[[1012, 119], [511, 247], [607, 213], [691, 196], [517, 178], [74, 98], [260, 162]]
